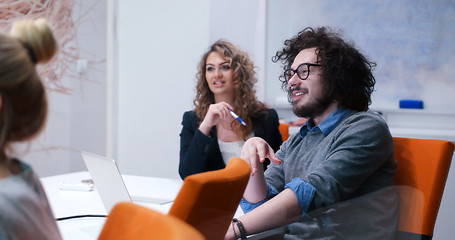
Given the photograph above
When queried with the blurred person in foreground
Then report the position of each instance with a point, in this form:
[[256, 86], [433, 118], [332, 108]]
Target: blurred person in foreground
[[25, 212]]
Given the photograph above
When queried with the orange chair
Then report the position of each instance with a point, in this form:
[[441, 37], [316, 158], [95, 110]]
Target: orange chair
[[284, 130], [209, 200], [128, 221], [423, 165]]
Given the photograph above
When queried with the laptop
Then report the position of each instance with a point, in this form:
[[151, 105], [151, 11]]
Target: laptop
[[109, 182]]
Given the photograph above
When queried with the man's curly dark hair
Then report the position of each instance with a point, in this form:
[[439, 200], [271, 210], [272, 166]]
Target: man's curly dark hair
[[346, 74]]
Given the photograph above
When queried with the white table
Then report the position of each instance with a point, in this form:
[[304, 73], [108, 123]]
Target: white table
[[66, 203]]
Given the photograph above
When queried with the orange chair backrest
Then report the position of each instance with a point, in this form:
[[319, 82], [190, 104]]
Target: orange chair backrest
[[423, 165], [209, 200], [284, 130], [128, 221]]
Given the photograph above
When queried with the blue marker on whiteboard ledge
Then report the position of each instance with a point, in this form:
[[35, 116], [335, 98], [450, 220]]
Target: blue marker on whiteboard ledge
[[236, 117], [414, 104]]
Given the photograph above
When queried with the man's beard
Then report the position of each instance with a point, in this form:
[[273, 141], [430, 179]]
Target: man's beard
[[311, 109]]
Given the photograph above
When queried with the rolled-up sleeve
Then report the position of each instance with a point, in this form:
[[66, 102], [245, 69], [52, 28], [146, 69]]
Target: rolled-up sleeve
[[303, 191], [247, 206]]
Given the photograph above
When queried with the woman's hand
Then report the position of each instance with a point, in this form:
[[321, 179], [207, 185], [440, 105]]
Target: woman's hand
[[255, 151], [215, 114]]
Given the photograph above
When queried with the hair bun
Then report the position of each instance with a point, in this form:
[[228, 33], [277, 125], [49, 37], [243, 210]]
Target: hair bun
[[37, 38]]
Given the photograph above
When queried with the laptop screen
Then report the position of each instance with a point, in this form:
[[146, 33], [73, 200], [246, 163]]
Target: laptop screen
[[107, 179]]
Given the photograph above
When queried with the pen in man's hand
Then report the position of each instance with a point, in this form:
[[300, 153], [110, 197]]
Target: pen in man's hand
[[236, 117]]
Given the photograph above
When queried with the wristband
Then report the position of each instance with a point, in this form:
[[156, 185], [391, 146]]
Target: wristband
[[233, 229], [241, 228]]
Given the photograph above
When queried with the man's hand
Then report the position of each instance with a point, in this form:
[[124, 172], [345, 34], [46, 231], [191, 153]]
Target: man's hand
[[255, 151]]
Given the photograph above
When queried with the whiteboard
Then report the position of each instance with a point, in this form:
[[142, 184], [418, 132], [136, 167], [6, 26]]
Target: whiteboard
[[412, 43]]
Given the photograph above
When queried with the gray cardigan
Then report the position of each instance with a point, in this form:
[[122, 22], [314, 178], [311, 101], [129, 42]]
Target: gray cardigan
[[25, 212]]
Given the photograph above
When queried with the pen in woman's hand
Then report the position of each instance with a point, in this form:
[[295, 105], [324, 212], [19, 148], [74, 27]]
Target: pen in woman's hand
[[236, 117]]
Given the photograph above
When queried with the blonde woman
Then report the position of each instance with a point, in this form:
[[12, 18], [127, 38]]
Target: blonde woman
[[210, 136], [24, 209]]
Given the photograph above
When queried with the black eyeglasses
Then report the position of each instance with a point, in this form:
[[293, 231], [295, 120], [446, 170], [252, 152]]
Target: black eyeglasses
[[303, 71]]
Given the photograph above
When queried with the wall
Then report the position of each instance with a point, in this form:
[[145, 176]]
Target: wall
[[246, 30], [132, 112], [77, 102], [159, 45], [411, 42], [89, 90], [157, 59]]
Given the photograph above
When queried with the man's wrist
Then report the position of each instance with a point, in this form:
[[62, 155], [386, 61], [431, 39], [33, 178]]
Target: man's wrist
[[240, 228]]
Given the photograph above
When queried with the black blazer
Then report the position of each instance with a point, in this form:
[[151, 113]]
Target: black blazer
[[201, 153]]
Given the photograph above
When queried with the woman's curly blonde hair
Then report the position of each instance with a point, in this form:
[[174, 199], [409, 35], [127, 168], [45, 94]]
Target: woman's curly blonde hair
[[246, 104]]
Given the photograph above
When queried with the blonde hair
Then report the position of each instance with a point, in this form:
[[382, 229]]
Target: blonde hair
[[23, 103]]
